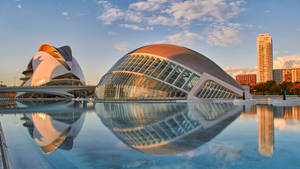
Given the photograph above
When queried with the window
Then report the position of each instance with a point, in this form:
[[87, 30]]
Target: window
[[175, 74], [192, 82], [183, 78], [212, 89]]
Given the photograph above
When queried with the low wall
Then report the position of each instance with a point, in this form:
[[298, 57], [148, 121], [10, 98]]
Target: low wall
[[4, 160], [273, 96]]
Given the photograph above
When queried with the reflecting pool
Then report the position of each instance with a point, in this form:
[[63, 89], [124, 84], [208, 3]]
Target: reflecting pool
[[150, 135]]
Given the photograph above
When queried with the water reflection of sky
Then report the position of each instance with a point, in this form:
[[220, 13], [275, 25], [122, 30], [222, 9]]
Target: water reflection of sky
[[119, 135]]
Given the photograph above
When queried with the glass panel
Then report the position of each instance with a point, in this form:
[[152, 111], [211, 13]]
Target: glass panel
[[175, 74], [128, 62], [153, 66], [212, 89], [124, 63], [192, 82], [167, 71], [141, 63], [121, 85], [118, 64], [183, 78], [135, 62], [160, 68], [146, 65], [131, 63]]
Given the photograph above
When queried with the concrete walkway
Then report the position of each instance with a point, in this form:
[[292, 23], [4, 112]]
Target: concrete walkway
[[4, 159]]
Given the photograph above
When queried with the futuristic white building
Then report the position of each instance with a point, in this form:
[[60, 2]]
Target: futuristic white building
[[163, 71], [51, 66]]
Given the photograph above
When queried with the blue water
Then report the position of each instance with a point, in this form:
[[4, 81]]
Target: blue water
[[157, 135]]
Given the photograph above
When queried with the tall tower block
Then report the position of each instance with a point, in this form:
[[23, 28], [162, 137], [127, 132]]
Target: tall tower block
[[264, 58]]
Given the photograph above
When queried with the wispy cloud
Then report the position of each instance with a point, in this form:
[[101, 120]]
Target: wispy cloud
[[121, 46], [205, 10], [112, 33], [136, 27], [224, 35], [291, 61], [145, 15], [267, 11], [298, 29], [149, 5], [65, 14], [233, 71], [185, 38], [19, 6], [111, 14]]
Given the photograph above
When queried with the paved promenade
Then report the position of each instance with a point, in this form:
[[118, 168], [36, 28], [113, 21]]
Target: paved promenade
[[4, 159]]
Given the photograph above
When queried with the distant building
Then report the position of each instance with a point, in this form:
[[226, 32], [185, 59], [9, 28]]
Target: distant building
[[286, 75], [278, 75], [246, 79], [291, 75], [264, 58]]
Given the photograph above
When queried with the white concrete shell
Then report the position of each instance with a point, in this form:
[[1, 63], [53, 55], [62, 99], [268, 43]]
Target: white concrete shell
[[52, 66]]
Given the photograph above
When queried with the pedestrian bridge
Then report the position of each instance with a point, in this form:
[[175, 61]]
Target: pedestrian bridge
[[60, 90]]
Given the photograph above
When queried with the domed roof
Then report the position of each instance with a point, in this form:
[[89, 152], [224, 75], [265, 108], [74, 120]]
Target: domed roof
[[188, 58]]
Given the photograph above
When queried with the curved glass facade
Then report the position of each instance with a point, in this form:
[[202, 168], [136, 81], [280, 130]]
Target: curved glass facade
[[143, 76], [211, 89], [163, 71]]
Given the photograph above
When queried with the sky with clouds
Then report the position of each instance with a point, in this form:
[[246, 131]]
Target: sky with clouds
[[101, 31]]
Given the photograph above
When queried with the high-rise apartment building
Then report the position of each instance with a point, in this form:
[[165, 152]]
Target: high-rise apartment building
[[291, 75], [264, 58], [286, 75]]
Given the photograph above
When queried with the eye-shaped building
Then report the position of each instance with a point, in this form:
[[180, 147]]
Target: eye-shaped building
[[51, 66], [164, 71]]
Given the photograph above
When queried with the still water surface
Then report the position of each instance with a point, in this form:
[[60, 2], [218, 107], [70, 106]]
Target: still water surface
[[151, 135]]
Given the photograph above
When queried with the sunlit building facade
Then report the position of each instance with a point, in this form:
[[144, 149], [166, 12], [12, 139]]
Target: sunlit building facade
[[51, 66], [246, 79], [291, 75], [286, 75], [264, 58], [163, 71]]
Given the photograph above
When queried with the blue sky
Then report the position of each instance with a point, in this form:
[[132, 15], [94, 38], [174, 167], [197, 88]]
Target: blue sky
[[100, 32]]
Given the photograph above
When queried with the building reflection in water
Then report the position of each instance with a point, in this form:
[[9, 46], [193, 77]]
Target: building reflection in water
[[265, 130], [53, 130], [269, 118], [166, 128]]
